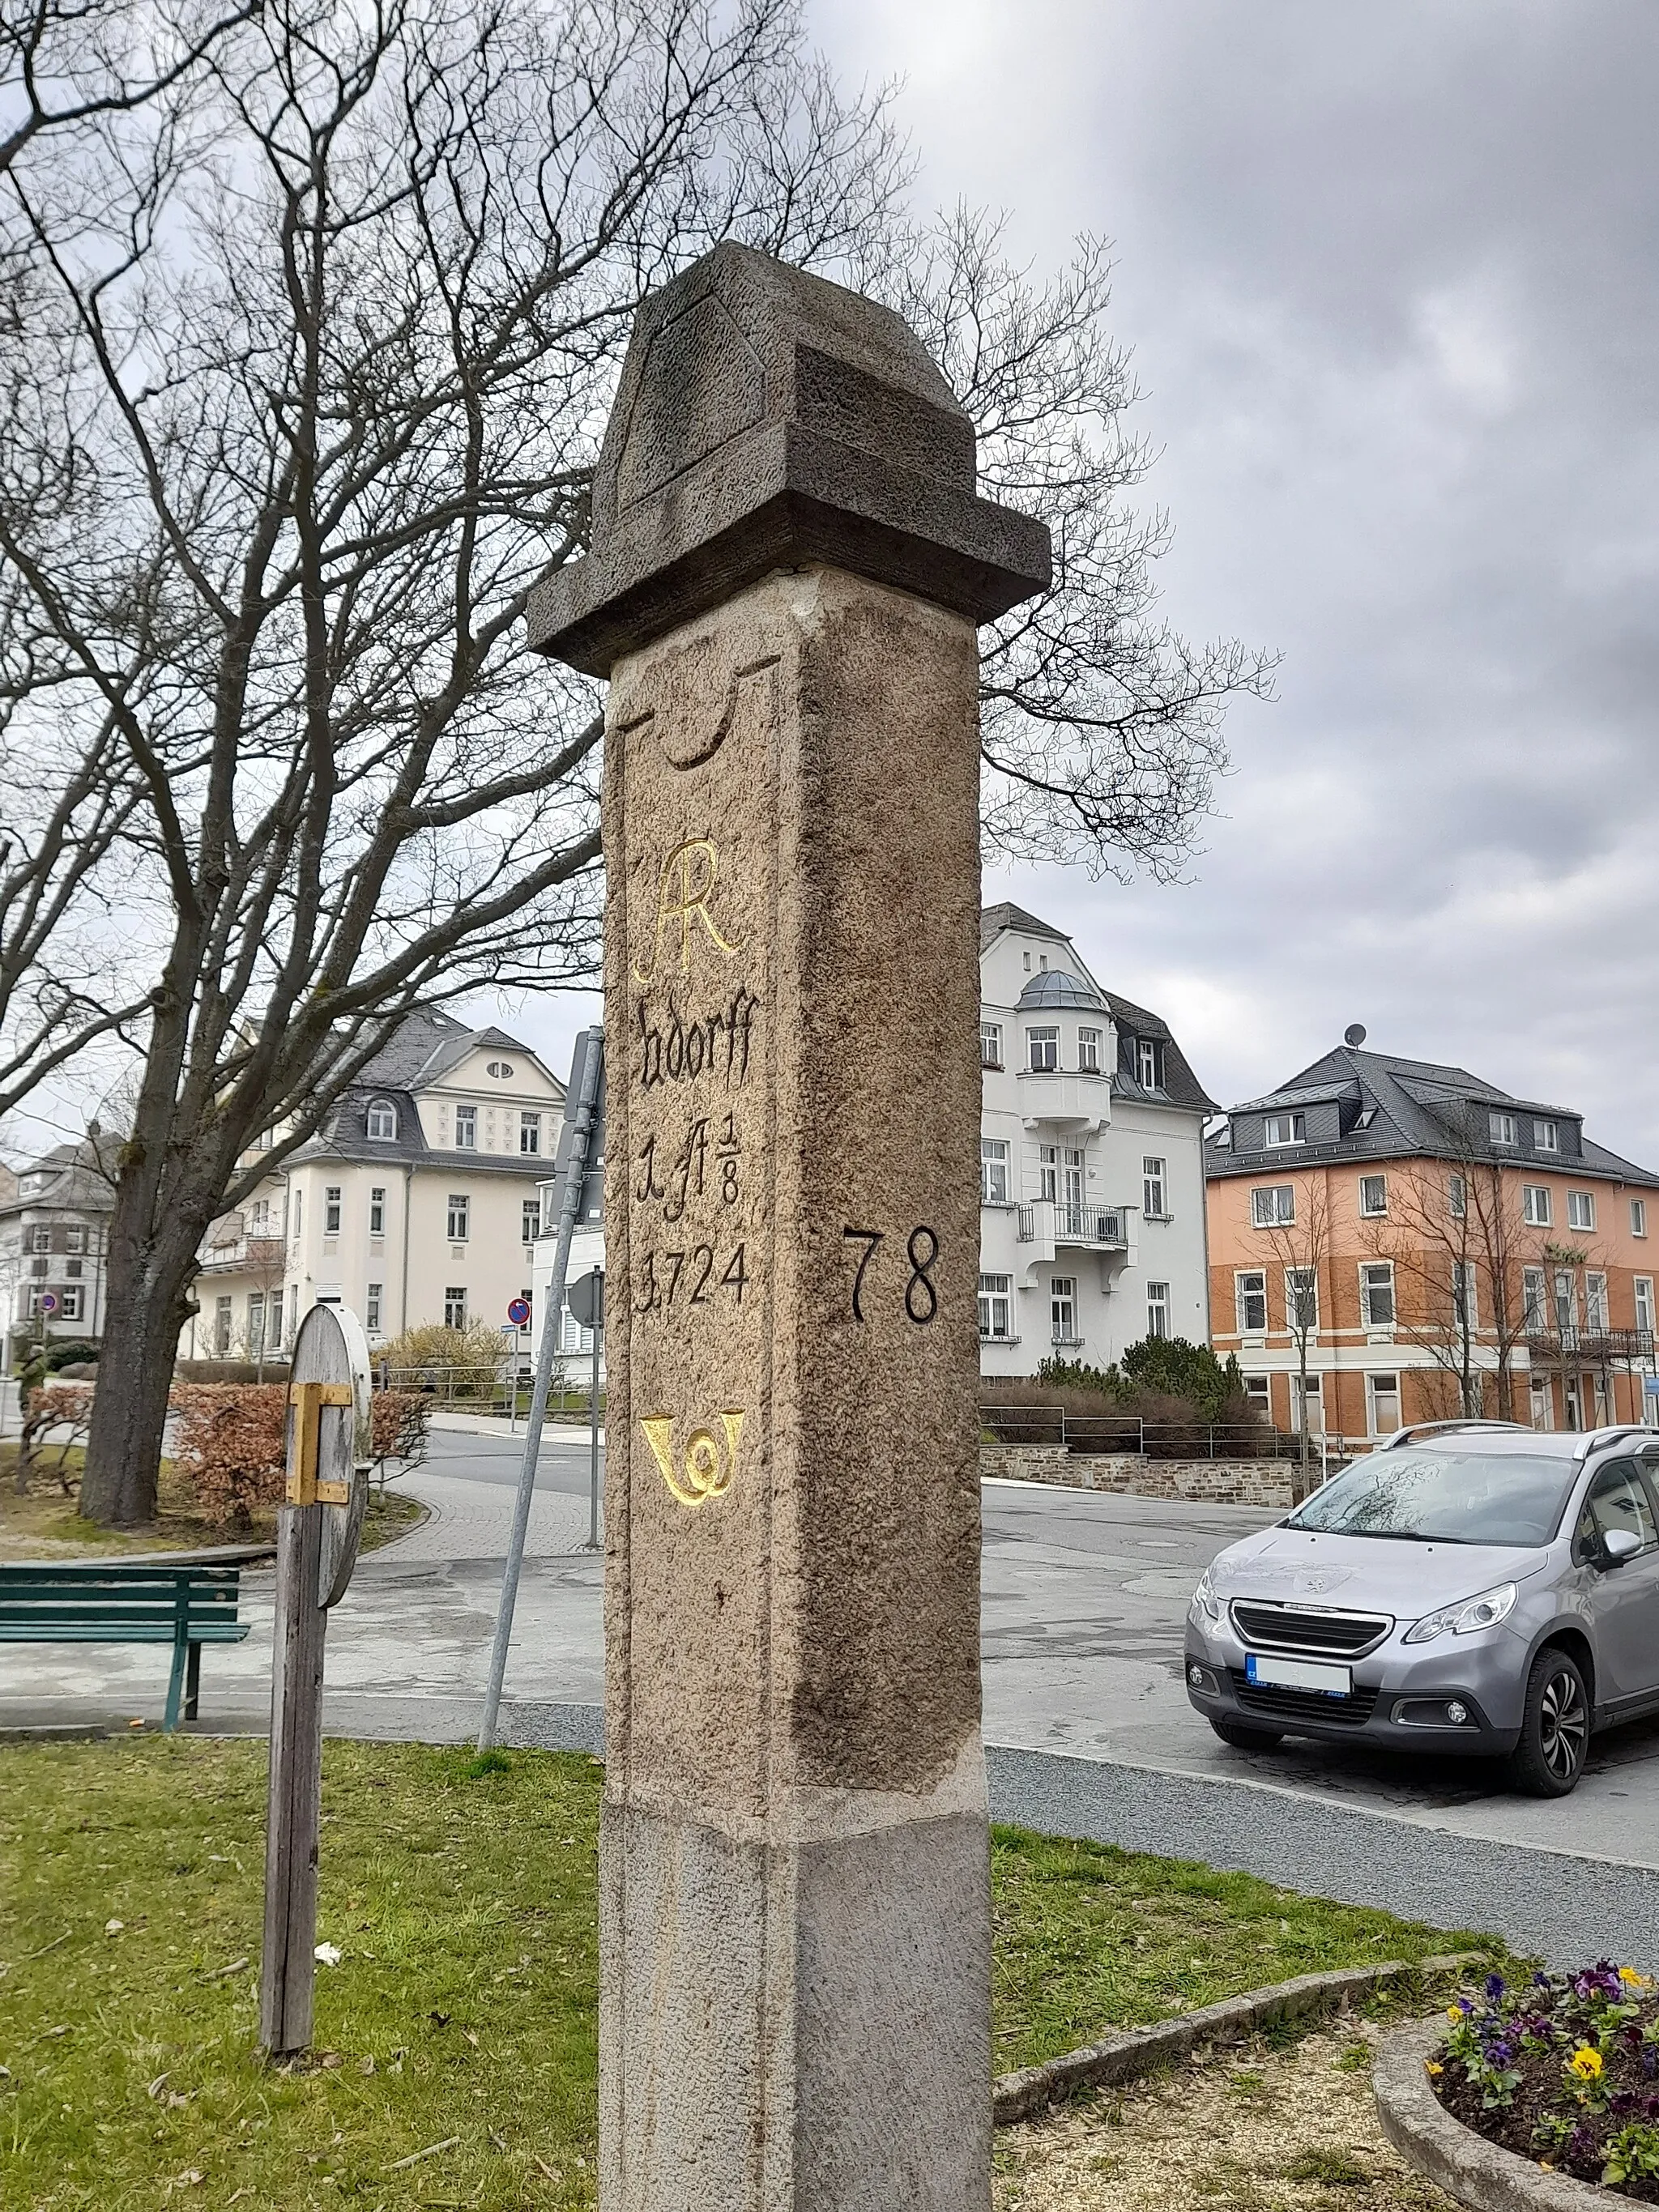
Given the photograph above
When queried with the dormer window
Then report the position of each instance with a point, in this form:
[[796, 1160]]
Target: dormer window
[[466, 1128], [1285, 1129], [1146, 1063], [1501, 1128], [382, 1120], [501, 1069], [1545, 1138]]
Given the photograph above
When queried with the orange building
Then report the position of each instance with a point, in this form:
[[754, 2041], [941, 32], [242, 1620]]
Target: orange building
[[1392, 1242]]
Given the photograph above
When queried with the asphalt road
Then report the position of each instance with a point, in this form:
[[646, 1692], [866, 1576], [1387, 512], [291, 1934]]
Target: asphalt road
[[1086, 1711]]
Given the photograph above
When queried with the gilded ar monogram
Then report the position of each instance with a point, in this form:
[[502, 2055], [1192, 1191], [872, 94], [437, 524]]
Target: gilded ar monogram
[[683, 891], [701, 1471]]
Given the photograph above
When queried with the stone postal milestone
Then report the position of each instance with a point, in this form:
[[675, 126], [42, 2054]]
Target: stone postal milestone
[[789, 563]]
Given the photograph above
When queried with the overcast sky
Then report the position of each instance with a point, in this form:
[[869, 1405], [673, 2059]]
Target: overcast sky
[[1389, 278]]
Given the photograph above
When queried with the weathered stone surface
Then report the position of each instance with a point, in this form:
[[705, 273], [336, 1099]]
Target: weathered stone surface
[[1272, 1482], [796, 1894], [766, 419]]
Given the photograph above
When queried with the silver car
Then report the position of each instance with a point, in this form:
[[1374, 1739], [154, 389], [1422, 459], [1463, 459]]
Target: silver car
[[1471, 1588]]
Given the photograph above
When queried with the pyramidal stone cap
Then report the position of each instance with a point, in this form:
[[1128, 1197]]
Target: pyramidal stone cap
[[768, 419]]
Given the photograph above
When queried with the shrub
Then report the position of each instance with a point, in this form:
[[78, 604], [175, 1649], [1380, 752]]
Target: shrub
[[469, 1361], [51, 1406], [231, 1444], [397, 1424]]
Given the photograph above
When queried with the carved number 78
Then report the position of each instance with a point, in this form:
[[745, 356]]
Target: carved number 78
[[920, 1298]]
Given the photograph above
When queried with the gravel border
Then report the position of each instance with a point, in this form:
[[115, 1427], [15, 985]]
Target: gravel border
[[1137, 2051], [1465, 2164]]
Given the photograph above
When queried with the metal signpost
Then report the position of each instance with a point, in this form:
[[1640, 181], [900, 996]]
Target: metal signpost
[[587, 1303], [579, 1147], [318, 1528]]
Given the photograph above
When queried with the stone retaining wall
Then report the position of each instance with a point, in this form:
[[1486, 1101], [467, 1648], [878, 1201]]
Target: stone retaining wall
[[1269, 1483]]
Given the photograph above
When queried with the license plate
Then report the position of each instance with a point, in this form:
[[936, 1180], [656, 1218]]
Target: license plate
[[1299, 1674]]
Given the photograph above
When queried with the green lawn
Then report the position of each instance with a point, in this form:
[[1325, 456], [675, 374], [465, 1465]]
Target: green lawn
[[461, 2019]]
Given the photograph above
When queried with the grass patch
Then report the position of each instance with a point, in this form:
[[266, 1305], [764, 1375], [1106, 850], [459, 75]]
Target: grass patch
[[46, 1524], [1091, 1937], [460, 1891]]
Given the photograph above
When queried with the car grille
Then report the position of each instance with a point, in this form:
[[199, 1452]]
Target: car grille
[[1308, 1628], [1288, 1706]]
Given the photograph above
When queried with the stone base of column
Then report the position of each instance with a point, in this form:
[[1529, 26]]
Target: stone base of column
[[809, 2010]]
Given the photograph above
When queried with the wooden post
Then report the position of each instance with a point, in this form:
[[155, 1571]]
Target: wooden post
[[317, 1534]]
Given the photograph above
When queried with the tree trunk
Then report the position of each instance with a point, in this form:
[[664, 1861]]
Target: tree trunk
[[150, 1270]]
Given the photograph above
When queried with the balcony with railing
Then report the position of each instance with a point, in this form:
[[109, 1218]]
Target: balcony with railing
[[1101, 1227], [237, 1254], [1568, 1345]]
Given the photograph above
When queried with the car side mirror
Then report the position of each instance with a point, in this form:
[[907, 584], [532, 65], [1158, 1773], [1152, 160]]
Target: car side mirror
[[1620, 1545]]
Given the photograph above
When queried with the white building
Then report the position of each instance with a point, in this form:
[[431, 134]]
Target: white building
[[54, 1238], [417, 1201], [1092, 1165]]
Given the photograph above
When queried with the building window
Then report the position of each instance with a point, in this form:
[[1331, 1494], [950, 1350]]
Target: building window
[[1544, 1137], [221, 1327], [455, 1307], [1048, 1173], [1535, 1205], [530, 1133], [372, 1307], [1639, 1217], [573, 1337], [1383, 1393], [996, 1306], [1373, 1195], [1566, 1305], [74, 1269], [1062, 1308], [1088, 1051], [1596, 1304], [990, 1044], [1643, 1287], [1258, 1390], [532, 1220], [1152, 1190], [1500, 1127], [466, 1128], [1302, 1301], [1042, 1046], [1532, 1298], [1457, 1197], [377, 1210], [1285, 1129], [501, 1069], [74, 1236], [40, 1239], [1463, 1304], [276, 1320], [259, 1222], [256, 1324], [71, 1301], [1147, 1069], [1307, 1404], [1272, 1206], [1250, 1295], [332, 1196], [993, 1171], [1581, 1209], [383, 1119], [460, 1207], [1158, 1310], [1376, 1293], [1073, 1185], [298, 1212]]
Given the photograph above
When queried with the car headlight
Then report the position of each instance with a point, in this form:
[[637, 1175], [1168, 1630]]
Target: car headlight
[[1204, 1599], [1467, 1615]]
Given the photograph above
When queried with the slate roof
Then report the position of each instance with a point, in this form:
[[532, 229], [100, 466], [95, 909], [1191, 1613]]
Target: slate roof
[[421, 1051], [994, 920], [1055, 987], [77, 1181], [1404, 1095], [1181, 1086]]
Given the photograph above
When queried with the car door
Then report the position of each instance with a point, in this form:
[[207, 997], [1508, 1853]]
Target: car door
[[1624, 1601]]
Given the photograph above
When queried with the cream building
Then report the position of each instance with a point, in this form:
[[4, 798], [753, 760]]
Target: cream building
[[417, 1202], [1092, 1165]]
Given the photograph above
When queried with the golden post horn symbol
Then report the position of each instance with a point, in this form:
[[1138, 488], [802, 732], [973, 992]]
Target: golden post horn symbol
[[703, 1470]]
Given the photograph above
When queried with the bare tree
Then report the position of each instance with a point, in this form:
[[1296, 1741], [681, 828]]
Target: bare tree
[[304, 402], [1302, 1250], [1436, 1240]]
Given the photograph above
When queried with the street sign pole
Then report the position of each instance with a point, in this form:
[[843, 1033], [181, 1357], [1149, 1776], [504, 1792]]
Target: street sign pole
[[593, 1537], [570, 1203]]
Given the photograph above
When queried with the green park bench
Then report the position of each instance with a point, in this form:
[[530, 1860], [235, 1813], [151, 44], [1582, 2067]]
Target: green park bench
[[182, 1602]]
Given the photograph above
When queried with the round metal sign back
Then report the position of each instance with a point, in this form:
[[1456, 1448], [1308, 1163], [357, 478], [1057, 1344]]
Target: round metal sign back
[[329, 1383]]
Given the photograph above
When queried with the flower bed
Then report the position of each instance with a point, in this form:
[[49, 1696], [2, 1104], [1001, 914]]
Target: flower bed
[[1564, 2070]]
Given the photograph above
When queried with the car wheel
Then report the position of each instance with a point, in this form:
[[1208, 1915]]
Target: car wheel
[[1555, 1729], [1243, 1737]]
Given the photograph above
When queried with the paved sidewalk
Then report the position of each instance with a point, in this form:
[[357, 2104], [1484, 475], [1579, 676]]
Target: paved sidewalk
[[473, 1519]]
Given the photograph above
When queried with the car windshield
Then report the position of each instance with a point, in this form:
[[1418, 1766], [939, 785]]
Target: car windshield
[[1438, 1496]]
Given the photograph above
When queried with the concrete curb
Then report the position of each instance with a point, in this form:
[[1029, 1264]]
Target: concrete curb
[[1141, 2050], [1465, 2164]]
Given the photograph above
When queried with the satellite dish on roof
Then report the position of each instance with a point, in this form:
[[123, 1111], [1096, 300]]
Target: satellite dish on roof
[[1354, 1035]]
